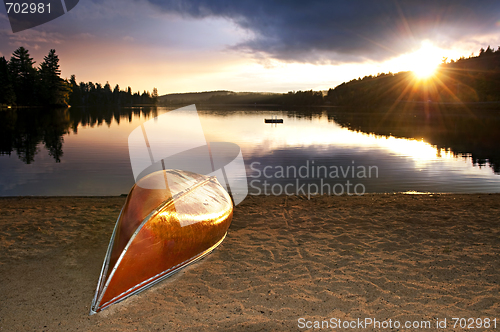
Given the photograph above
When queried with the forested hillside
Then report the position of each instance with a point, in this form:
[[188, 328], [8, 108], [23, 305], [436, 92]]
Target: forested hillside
[[474, 79], [24, 84]]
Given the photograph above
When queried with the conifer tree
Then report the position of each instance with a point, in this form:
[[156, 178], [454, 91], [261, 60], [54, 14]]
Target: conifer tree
[[23, 75], [154, 96], [7, 95], [75, 97], [55, 90]]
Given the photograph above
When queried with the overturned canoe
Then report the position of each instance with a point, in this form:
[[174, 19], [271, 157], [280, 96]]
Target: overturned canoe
[[170, 219]]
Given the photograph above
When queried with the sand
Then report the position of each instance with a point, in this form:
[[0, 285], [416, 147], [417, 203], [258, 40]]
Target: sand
[[398, 257]]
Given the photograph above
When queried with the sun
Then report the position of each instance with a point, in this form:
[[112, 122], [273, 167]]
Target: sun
[[424, 62], [424, 69]]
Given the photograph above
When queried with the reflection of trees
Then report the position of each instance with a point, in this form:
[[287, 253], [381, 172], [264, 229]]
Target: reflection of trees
[[97, 116], [23, 130], [57, 125], [464, 132], [305, 113], [8, 121], [468, 133]]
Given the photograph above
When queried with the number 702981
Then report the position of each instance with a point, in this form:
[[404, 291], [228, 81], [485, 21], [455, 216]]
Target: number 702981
[[28, 8], [475, 323]]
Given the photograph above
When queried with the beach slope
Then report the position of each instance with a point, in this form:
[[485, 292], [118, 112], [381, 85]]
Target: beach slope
[[397, 257]]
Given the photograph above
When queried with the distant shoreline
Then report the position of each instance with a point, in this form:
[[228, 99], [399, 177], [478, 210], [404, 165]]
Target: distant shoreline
[[205, 104], [302, 197]]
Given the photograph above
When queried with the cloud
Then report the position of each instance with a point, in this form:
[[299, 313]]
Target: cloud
[[34, 36], [344, 31], [37, 42]]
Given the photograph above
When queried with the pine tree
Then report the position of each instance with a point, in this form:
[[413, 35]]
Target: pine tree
[[116, 95], [7, 95], [107, 94], [75, 97], [154, 96], [55, 90], [145, 98], [23, 76]]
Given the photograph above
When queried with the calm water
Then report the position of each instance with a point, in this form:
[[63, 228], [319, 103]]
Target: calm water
[[85, 152]]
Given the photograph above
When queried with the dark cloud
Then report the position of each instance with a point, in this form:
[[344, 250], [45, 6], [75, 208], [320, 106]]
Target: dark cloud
[[325, 30]]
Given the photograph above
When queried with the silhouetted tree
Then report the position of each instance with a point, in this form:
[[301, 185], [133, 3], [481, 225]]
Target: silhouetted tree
[[54, 90], [90, 94], [75, 95], [154, 96], [23, 75], [117, 95], [7, 95]]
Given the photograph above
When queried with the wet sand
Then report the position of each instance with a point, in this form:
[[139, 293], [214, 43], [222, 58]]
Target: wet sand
[[398, 257]]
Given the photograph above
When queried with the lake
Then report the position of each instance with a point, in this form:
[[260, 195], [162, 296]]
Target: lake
[[84, 152]]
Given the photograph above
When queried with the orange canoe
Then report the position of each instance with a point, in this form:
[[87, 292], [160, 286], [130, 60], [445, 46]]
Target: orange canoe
[[170, 219]]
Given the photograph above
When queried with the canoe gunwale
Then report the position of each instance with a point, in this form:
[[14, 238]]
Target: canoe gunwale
[[160, 276], [118, 261], [105, 265], [96, 307]]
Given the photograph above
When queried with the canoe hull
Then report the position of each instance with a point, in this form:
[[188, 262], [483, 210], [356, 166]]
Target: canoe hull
[[161, 231]]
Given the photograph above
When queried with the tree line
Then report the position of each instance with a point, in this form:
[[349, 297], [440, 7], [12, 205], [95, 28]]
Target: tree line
[[23, 84], [292, 98], [94, 94], [473, 79]]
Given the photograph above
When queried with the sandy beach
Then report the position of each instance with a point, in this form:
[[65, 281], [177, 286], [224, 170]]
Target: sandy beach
[[385, 257]]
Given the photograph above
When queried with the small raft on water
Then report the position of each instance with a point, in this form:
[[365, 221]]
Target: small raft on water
[[170, 219], [273, 120]]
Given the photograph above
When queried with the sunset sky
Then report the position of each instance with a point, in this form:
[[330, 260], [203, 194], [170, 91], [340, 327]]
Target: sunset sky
[[259, 45]]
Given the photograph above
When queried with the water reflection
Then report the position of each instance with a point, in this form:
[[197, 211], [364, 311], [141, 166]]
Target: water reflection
[[94, 116], [21, 131], [468, 133], [413, 150], [404, 164]]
